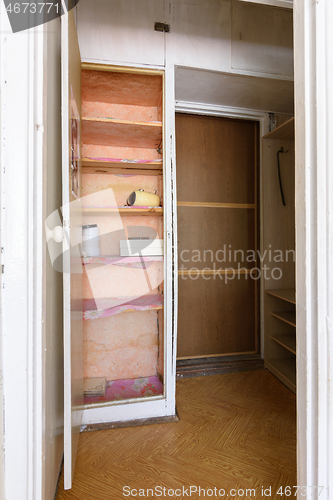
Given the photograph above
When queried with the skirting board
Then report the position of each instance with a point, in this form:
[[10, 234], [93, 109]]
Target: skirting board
[[199, 367], [131, 423]]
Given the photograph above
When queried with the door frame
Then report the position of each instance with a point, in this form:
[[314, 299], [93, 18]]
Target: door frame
[[246, 114], [313, 42]]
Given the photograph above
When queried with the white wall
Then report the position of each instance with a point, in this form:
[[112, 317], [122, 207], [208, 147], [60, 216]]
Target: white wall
[[31, 307]]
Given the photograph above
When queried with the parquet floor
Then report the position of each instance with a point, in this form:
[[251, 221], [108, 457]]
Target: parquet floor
[[237, 432]]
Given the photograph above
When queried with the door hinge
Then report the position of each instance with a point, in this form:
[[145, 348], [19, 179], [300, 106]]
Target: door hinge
[[162, 27], [3, 269]]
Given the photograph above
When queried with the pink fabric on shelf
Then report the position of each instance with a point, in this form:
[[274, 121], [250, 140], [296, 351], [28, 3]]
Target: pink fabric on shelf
[[124, 206], [117, 160], [116, 305], [128, 389]]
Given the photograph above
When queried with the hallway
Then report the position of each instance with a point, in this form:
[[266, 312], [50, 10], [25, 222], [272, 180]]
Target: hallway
[[236, 432]]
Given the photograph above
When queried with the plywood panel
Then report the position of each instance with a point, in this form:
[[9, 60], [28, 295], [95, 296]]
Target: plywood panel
[[216, 163], [262, 39], [215, 238], [279, 220], [121, 346], [203, 34], [216, 316], [121, 88], [215, 159]]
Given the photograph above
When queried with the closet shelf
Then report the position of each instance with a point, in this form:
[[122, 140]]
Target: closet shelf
[[127, 167], [287, 294], [122, 210], [121, 133], [283, 132], [285, 370], [106, 260], [112, 306], [286, 316], [287, 341]]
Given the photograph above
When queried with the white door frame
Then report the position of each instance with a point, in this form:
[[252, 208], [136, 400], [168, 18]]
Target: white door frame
[[313, 45], [263, 119], [23, 258]]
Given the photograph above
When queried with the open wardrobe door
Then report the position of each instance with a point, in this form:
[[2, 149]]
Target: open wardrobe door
[[72, 223]]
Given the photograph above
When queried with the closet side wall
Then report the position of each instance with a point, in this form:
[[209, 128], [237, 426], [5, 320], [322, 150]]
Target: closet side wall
[[54, 406]]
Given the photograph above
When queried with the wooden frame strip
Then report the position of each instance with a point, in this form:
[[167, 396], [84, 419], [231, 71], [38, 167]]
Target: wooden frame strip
[[120, 69], [116, 121], [208, 204]]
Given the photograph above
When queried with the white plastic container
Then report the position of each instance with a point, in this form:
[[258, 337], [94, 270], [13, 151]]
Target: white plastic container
[[91, 240], [134, 248]]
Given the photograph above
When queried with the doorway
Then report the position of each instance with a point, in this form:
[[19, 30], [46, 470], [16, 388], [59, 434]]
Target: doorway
[[217, 236]]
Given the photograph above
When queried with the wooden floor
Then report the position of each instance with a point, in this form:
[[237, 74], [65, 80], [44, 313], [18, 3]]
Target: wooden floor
[[236, 431]]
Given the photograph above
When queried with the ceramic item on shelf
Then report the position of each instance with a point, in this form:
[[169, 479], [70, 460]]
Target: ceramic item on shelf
[[142, 199]]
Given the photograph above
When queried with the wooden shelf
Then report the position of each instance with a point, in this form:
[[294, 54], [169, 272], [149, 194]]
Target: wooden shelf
[[90, 166], [122, 211], [283, 132], [214, 205], [287, 294], [286, 316], [287, 341], [121, 133], [106, 260], [284, 370]]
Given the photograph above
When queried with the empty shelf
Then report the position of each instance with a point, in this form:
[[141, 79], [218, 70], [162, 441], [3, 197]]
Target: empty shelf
[[285, 370], [283, 132], [127, 167], [287, 341], [286, 316], [121, 133], [287, 294], [111, 306], [120, 260]]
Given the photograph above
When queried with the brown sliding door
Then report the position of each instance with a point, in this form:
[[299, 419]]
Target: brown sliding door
[[217, 235]]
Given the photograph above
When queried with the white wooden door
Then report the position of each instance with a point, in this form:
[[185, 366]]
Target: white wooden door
[[122, 32], [72, 223]]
